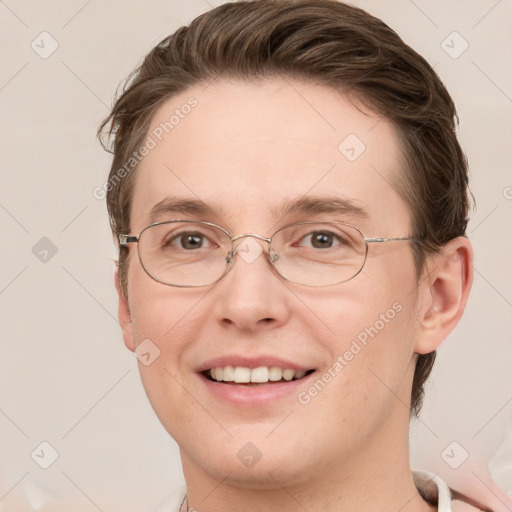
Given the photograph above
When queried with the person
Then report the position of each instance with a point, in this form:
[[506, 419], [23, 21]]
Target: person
[[290, 202]]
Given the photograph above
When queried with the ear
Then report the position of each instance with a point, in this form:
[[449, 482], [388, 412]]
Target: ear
[[444, 292], [124, 314]]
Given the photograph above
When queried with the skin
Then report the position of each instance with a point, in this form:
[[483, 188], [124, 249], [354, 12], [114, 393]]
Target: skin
[[244, 150]]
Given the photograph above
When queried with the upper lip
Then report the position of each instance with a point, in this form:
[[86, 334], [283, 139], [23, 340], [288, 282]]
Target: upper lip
[[250, 362]]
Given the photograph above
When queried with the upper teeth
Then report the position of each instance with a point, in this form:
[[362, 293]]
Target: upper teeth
[[260, 374]]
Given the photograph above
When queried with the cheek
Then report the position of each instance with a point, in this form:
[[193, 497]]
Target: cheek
[[372, 331], [165, 320], [368, 377], [165, 381], [170, 320], [159, 312]]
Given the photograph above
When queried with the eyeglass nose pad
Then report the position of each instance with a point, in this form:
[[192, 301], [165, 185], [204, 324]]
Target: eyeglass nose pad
[[230, 256], [273, 256]]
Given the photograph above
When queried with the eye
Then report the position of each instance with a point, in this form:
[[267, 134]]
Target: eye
[[188, 240], [321, 240]]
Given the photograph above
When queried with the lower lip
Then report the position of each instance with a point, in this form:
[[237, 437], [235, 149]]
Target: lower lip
[[257, 395]]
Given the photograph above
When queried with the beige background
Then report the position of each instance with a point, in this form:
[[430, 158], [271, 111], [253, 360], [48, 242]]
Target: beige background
[[66, 377]]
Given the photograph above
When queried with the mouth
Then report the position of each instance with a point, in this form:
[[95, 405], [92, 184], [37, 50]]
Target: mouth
[[254, 377]]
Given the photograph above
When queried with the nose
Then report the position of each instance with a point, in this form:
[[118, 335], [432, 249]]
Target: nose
[[252, 296]]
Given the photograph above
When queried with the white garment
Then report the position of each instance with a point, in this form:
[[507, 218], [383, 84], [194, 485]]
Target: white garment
[[430, 486], [433, 489]]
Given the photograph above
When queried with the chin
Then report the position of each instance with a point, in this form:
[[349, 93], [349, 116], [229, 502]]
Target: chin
[[270, 472], [252, 458]]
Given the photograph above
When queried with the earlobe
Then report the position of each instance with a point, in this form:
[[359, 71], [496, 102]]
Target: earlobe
[[124, 314], [447, 283]]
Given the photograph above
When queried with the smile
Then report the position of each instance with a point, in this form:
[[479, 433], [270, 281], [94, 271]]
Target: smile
[[254, 376]]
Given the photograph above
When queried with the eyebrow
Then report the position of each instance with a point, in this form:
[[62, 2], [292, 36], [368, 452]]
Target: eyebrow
[[314, 205], [172, 205], [310, 205]]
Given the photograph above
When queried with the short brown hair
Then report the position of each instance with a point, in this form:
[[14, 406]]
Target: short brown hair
[[328, 43]]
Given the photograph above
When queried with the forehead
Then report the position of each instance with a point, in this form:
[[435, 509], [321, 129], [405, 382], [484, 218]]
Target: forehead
[[247, 150]]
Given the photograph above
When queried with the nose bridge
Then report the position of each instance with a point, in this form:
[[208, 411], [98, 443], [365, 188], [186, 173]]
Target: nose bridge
[[251, 298], [246, 247]]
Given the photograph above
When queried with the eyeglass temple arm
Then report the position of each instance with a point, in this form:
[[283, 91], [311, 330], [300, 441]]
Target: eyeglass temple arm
[[128, 239], [377, 240]]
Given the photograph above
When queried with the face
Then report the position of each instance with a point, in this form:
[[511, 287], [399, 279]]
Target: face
[[245, 151]]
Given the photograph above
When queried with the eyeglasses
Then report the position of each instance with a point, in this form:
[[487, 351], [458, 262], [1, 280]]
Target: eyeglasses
[[195, 253]]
